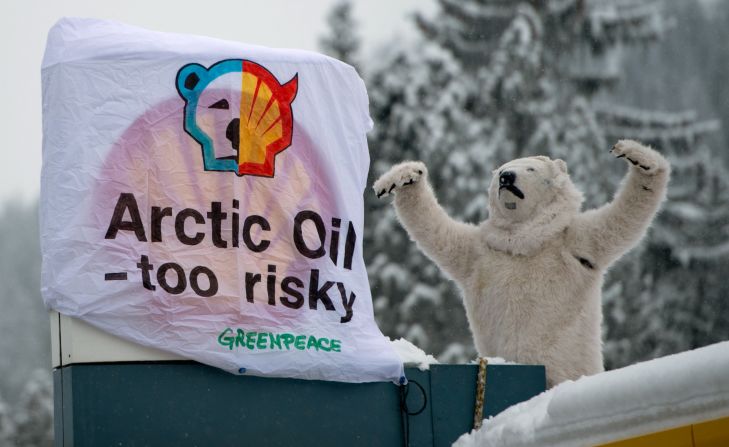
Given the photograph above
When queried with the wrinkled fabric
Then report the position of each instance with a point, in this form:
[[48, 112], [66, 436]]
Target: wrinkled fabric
[[206, 198]]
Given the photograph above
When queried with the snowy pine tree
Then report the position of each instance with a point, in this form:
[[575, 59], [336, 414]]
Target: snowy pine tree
[[678, 271], [420, 101], [683, 304], [342, 41], [494, 80], [20, 264], [7, 424], [34, 414]]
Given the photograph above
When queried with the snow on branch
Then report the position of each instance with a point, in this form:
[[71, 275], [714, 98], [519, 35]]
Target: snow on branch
[[685, 133], [450, 38], [649, 125], [632, 116], [702, 253], [624, 20], [559, 7], [469, 11]]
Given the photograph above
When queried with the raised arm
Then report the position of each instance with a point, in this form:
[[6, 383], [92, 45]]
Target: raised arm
[[608, 232], [451, 244]]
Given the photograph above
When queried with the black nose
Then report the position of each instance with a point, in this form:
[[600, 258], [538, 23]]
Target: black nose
[[507, 178], [232, 132]]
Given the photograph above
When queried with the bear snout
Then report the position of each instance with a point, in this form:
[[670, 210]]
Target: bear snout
[[232, 132], [507, 178], [506, 181]]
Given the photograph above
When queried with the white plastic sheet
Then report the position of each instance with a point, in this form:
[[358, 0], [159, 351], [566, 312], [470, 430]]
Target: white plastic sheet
[[205, 197]]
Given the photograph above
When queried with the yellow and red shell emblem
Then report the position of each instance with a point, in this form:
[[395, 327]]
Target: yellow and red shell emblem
[[239, 113]]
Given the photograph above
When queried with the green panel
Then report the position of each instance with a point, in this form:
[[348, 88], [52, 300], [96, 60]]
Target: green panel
[[420, 432], [507, 385], [453, 390], [67, 405], [193, 405], [58, 407], [188, 404], [453, 394]]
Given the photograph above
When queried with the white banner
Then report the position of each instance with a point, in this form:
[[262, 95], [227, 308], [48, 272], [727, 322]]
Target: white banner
[[206, 198]]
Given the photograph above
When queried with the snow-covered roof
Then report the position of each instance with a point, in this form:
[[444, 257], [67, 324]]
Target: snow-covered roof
[[644, 398]]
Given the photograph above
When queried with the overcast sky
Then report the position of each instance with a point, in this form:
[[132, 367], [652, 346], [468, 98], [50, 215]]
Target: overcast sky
[[275, 23]]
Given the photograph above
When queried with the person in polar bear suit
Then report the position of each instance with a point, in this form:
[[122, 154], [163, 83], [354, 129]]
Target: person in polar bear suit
[[532, 273]]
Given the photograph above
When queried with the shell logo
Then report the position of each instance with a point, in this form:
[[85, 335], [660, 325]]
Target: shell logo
[[239, 113]]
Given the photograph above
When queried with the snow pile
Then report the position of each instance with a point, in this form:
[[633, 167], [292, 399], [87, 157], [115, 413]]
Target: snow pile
[[644, 398], [411, 355], [494, 361]]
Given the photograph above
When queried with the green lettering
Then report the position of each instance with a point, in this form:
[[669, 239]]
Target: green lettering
[[324, 344], [240, 338], [251, 340], [226, 340], [275, 340], [268, 340], [299, 344], [261, 343], [336, 346], [287, 340]]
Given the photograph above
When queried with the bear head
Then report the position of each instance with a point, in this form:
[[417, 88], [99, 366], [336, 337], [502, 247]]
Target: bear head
[[530, 200], [239, 114]]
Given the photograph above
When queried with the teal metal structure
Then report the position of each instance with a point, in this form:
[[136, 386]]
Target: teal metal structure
[[188, 404]]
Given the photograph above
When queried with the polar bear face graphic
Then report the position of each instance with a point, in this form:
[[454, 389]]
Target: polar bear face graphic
[[523, 186], [239, 114], [218, 116]]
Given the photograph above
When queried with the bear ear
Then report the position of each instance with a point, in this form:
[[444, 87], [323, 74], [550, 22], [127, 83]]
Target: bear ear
[[189, 80], [561, 165]]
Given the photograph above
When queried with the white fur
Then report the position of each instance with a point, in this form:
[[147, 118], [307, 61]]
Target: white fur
[[532, 273]]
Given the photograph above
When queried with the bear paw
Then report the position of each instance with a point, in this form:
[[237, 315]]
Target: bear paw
[[403, 174], [642, 157]]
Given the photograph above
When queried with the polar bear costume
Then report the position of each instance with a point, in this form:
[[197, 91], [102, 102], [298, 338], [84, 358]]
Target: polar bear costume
[[532, 273]]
